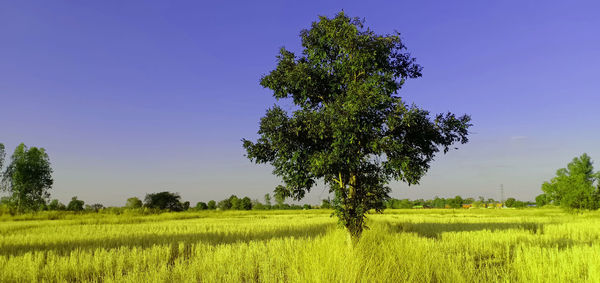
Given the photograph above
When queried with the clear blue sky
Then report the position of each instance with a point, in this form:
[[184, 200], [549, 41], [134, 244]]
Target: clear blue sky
[[130, 97]]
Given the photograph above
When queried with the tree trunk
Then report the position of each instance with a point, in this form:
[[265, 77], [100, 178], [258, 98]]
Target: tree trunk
[[351, 215], [354, 221], [355, 231]]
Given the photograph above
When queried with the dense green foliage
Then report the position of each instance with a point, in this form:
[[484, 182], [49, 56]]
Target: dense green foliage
[[245, 203], [56, 205], [27, 178], [96, 207], [133, 203], [574, 187], [542, 200], [481, 245], [75, 204], [512, 202], [350, 128], [164, 201], [201, 206], [211, 204], [456, 202]]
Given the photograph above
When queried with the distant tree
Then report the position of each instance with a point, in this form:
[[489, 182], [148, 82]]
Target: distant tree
[[455, 202], [541, 200], [350, 128], [519, 204], [212, 205], [326, 203], [245, 204], [281, 193], [94, 207], [28, 177], [133, 203], [306, 206], [405, 203], [224, 204], [510, 202], [75, 204], [56, 205], [236, 203], [268, 200], [439, 202], [257, 205], [573, 187], [201, 206], [428, 203], [389, 203], [186, 205], [164, 200]]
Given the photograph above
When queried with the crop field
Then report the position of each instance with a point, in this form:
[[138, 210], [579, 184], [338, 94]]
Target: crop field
[[530, 245]]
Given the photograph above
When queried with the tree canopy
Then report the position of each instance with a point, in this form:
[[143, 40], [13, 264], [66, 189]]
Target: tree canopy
[[164, 200], [28, 177], [56, 205], [75, 204], [574, 187], [133, 203], [349, 128], [201, 206]]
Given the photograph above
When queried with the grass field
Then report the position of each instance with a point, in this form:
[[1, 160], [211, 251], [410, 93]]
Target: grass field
[[531, 245]]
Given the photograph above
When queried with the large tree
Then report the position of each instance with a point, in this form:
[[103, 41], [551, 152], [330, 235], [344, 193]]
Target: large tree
[[349, 127], [164, 200], [28, 178], [575, 187]]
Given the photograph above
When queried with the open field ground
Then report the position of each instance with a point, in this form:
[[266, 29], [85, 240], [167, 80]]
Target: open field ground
[[531, 245]]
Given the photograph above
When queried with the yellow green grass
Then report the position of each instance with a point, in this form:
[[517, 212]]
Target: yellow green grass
[[531, 245]]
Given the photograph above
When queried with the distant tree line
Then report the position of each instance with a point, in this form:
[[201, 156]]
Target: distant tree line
[[168, 201], [27, 178], [456, 202]]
